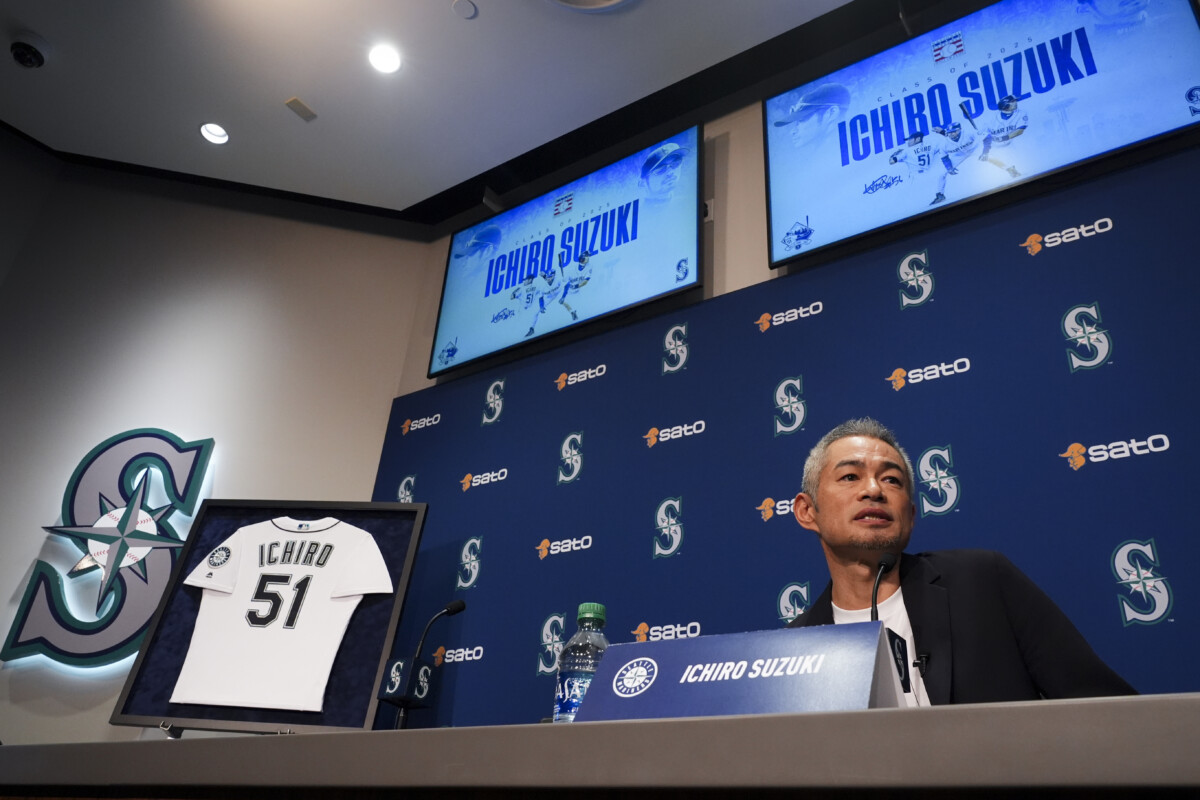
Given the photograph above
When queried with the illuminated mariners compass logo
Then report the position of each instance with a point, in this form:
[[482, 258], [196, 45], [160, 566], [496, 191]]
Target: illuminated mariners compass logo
[[119, 539]]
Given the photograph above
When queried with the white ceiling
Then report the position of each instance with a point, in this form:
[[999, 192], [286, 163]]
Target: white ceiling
[[131, 81]]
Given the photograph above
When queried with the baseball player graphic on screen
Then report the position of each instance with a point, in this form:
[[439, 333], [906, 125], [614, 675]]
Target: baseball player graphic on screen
[[1000, 129], [922, 155], [957, 145]]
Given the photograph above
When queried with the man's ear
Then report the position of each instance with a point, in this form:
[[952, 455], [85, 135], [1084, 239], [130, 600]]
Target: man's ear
[[803, 508]]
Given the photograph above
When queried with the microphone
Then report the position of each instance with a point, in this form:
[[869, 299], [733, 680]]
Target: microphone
[[415, 685], [886, 562]]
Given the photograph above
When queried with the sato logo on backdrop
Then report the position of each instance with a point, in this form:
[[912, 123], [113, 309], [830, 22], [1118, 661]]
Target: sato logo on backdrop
[[564, 380], [674, 433], [771, 507], [765, 321], [457, 655], [645, 632], [901, 377], [483, 479], [1077, 454], [1146, 597], [418, 424], [549, 548], [1035, 242]]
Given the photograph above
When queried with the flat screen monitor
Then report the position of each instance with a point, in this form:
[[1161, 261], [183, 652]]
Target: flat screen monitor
[[620, 236], [1016, 90]]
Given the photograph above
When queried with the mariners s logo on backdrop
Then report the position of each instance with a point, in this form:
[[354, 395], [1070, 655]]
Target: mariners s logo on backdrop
[[551, 644], [939, 487], [468, 564], [404, 492], [1146, 597], [668, 522], [675, 349], [117, 509], [570, 462], [1091, 345], [493, 402], [793, 601], [789, 405], [916, 281]]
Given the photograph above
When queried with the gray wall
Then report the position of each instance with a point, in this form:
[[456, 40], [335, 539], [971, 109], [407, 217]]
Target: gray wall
[[281, 330]]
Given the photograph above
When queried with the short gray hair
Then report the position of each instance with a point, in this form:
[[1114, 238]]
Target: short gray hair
[[814, 465]]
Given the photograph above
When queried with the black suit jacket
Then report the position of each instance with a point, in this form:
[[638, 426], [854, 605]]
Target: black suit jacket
[[990, 634]]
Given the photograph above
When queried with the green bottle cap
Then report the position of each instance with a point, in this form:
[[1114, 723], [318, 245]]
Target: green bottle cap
[[591, 611]]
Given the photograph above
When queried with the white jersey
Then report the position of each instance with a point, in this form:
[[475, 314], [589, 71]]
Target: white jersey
[[1001, 129], [920, 157], [278, 596]]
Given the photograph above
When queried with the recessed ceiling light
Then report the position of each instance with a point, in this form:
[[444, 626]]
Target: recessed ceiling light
[[214, 133], [384, 58]]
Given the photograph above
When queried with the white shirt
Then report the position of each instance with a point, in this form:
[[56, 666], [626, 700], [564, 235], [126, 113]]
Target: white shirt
[[278, 596], [894, 616]]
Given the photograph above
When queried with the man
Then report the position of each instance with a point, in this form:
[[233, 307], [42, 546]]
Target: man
[[974, 627], [1000, 129]]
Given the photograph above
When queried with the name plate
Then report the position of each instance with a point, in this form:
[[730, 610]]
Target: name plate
[[823, 668]]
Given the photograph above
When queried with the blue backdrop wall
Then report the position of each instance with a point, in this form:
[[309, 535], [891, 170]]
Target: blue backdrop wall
[[1041, 389]]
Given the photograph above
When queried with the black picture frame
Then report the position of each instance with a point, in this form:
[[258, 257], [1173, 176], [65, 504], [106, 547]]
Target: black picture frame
[[350, 693]]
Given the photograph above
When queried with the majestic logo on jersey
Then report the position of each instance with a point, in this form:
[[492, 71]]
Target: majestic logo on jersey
[[793, 601], [645, 632], [551, 645], [939, 493], [771, 507], [135, 468], [668, 521], [1035, 242], [1092, 347], [675, 349], [765, 321], [789, 405], [468, 563], [656, 435], [635, 677], [493, 403], [915, 279], [1123, 449], [483, 478], [418, 424], [901, 377], [570, 462], [1149, 596], [404, 494], [549, 548], [564, 380]]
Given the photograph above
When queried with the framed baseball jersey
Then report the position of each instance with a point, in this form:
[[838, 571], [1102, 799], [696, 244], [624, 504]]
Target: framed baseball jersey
[[279, 617]]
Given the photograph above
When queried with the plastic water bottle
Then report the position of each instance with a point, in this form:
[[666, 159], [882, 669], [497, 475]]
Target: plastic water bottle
[[578, 661]]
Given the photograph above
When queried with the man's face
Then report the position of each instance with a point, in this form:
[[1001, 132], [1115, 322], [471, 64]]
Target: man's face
[[662, 178], [862, 504]]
